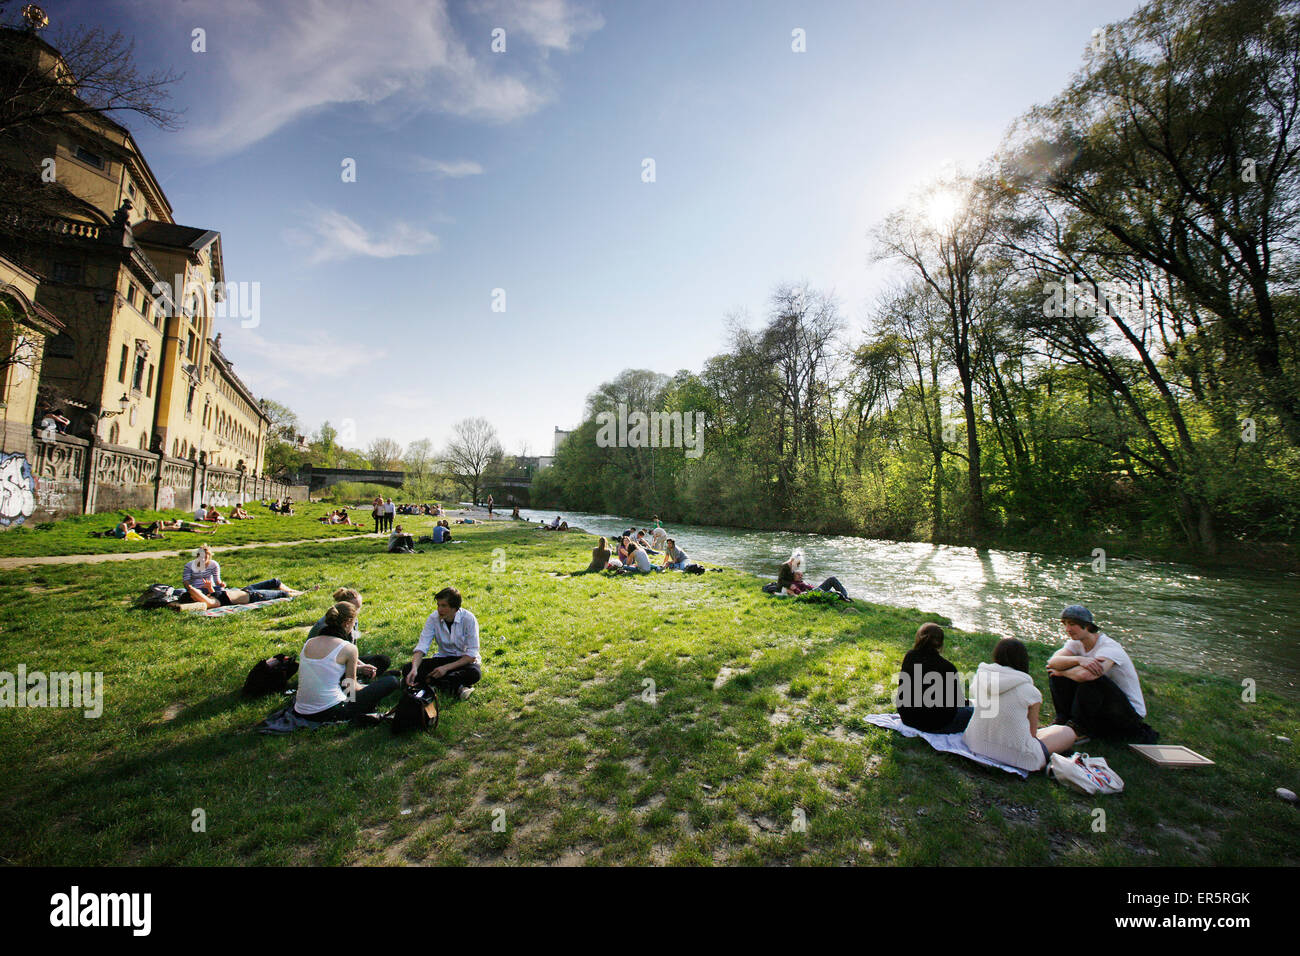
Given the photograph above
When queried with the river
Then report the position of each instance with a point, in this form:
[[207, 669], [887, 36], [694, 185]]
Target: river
[[1236, 623]]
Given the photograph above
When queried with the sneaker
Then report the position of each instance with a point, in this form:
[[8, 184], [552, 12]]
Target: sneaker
[[465, 692]]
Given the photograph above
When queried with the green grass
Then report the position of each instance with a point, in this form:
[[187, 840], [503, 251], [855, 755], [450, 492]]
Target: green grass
[[72, 535], [670, 719]]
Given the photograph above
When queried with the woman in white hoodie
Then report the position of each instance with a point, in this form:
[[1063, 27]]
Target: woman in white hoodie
[[1004, 725]]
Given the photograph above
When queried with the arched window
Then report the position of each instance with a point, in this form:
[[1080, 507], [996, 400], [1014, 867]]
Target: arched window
[[113, 432]]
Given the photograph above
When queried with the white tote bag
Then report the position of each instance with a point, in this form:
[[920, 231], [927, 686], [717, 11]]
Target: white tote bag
[[1089, 775]]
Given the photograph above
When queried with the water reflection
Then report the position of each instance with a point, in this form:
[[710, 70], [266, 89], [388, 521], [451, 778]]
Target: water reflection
[[1234, 623]]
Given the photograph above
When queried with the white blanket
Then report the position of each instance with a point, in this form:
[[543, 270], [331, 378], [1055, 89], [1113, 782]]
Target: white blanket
[[948, 743]]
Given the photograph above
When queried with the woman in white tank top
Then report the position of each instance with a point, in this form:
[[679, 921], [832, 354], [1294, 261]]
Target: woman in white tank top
[[327, 669]]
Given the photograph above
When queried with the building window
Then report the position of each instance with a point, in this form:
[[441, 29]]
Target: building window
[[89, 158], [121, 367], [112, 434], [66, 272], [189, 402], [148, 384], [61, 346]]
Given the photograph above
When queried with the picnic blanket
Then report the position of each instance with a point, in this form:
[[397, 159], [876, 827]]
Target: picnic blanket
[[948, 743], [236, 608], [286, 720]]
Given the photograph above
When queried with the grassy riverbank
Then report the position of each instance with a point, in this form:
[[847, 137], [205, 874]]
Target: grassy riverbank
[[672, 719]]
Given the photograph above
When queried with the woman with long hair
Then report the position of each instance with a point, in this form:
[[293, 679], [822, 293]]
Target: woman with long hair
[[1004, 724], [328, 688], [931, 696]]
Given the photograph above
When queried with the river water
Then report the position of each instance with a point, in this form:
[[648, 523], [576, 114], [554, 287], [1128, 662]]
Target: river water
[[1239, 623]]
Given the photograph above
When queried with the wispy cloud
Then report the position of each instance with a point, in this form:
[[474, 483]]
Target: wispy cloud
[[329, 236], [453, 169], [550, 24], [274, 62], [276, 364]]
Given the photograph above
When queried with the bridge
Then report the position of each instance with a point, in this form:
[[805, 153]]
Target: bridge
[[511, 487]]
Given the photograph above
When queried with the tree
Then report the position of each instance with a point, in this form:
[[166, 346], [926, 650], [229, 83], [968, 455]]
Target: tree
[[472, 450], [44, 92], [384, 454]]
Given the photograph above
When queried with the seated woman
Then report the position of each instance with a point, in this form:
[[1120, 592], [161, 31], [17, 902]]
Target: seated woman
[[274, 506], [327, 673], [643, 543], [287, 507], [638, 562], [214, 517], [599, 557], [239, 514], [674, 557], [126, 528], [1004, 723], [202, 580], [790, 578], [515, 514], [624, 550], [371, 664], [930, 694]]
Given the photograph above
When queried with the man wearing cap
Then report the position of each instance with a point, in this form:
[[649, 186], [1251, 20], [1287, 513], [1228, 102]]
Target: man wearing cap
[[1095, 687], [457, 665]]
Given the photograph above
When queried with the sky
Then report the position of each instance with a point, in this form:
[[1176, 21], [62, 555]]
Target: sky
[[501, 252]]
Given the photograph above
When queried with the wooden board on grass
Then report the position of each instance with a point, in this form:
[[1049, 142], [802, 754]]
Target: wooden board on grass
[[1172, 755]]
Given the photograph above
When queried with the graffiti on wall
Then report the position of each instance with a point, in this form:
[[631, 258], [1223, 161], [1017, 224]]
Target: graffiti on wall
[[17, 489], [166, 497]]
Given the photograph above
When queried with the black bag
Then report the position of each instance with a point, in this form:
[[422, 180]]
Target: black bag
[[772, 587], [159, 595], [270, 676], [693, 569], [417, 710]]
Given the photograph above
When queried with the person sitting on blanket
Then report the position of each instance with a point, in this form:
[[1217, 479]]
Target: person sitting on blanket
[[1094, 685], [202, 580], [457, 666], [790, 578], [441, 532], [328, 688], [1004, 723], [931, 696], [239, 514]]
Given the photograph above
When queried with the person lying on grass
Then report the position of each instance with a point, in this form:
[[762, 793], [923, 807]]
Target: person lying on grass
[[457, 667], [180, 525], [1095, 687], [328, 688], [930, 695], [674, 557], [202, 581], [1004, 723], [790, 578]]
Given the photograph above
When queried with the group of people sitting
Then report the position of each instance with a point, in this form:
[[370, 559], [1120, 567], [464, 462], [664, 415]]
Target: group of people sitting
[[426, 510], [330, 662], [338, 516], [635, 551], [1094, 687], [789, 579], [559, 524], [131, 530], [284, 507], [202, 581]]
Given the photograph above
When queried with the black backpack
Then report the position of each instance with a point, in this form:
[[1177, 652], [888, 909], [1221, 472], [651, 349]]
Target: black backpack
[[417, 710], [159, 595], [270, 676]]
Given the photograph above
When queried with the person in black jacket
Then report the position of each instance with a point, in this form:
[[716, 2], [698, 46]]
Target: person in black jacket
[[931, 696]]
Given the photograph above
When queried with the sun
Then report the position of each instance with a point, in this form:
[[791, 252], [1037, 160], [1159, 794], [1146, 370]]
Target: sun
[[942, 207]]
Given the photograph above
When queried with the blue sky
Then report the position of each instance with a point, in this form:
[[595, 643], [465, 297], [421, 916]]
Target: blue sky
[[522, 171]]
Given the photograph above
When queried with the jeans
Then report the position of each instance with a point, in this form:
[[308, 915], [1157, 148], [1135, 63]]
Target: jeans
[[959, 721], [452, 681], [1097, 707], [676, 565], [261, 591], [833, 584], [367, 700]]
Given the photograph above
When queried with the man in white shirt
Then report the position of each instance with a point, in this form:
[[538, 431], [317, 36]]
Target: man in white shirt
[[201, 513], [457, 667], [1095, 687]]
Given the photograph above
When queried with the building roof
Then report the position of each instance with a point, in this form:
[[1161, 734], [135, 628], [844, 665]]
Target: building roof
[[156, 233]]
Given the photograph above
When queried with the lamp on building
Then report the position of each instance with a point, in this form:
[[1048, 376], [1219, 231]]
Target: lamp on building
[[123, 404]]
